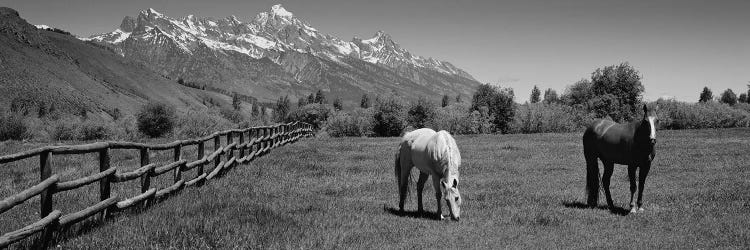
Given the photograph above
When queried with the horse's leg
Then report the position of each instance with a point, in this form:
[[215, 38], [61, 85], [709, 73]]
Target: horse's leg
[[633, 187], [420, 186], [609, 167], [641, 183], [438, 195]]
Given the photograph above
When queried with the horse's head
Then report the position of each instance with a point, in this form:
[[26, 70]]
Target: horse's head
[[649, 123], [449, 188], [646, 132]]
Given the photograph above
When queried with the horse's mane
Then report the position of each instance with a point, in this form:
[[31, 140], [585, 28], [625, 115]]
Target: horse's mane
[[448, 153]]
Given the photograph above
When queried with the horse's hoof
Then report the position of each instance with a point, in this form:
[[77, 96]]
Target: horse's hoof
[[633, 210], [640, 209], [442, 217]]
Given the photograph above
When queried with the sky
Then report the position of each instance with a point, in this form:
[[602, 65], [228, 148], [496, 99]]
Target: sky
[[678, 46]]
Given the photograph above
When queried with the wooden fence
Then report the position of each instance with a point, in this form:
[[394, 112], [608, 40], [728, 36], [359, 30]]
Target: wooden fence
[[251, 143]]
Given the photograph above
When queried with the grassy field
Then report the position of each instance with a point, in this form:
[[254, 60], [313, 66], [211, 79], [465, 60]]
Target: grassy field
[[519, 191]]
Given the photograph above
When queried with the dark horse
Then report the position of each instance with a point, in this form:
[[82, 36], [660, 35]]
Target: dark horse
[[613, 143]]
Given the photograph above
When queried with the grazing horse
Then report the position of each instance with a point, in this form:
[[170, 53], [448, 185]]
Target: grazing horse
[[629, 144], [434, 154]]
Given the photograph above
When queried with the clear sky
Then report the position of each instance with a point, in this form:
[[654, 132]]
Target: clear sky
[[679, 46]]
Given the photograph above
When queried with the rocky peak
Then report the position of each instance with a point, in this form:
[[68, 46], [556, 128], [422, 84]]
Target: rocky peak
[[128, 24]]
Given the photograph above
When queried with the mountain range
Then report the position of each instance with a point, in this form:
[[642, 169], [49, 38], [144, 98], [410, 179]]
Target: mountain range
[[277, 54]]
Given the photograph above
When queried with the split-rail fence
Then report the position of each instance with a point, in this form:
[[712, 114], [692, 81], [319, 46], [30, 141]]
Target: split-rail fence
[[251, 143]]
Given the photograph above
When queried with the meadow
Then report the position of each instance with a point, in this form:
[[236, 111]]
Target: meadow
[[519, 191]]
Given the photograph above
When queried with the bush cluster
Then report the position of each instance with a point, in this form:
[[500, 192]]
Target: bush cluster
[[549, 118], [155, 119], [681, 115], [357, 123], [12, 126]]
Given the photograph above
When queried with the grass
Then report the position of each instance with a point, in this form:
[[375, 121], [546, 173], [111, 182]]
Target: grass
[[519, 191]]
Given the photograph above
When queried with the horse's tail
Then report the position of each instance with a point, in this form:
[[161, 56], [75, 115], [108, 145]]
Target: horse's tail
[[397, 171], [592, 167]]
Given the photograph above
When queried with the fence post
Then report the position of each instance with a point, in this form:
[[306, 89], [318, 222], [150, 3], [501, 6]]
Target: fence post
[[146, 177], [201, 154], [45, 199], [253, 138], [45, 171], [176, 158], [104, 189], [230, 139], [217, 144], [242, 140]]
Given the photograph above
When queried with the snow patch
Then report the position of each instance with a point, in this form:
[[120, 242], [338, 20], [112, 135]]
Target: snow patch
[[280, 11], [257, 41], [121, 36]]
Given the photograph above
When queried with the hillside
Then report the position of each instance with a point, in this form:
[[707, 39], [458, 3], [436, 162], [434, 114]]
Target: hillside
[[42, 68], [277, 54]]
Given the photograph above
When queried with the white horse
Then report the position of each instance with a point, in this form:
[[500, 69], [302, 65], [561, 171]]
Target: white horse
[[434, 154]]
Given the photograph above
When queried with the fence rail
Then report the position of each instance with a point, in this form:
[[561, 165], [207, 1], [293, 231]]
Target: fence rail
[[260, 140]]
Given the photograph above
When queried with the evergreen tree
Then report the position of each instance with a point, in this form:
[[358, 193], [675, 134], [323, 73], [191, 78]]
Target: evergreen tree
[[365, 102], [236, 102], [256, 110], [706, 95], [282, 109], [535, 94], [446, 101], [550, 96], [337, 104], [311, 98], [320, 97]]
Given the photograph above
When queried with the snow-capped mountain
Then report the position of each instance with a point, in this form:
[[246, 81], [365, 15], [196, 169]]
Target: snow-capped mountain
[[278, 54]]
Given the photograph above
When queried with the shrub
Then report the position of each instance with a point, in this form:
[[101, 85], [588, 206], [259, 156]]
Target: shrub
[[549, 118], [93, 130], [458, 118], [389, 116], [681, 115], [12, 127], [315, 114], [358, 123], [232, 115], [155, 119], [64, 129], [200, 123]]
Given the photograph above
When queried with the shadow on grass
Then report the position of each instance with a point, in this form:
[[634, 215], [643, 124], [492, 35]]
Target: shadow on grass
[[412, 214], [580, 205]]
